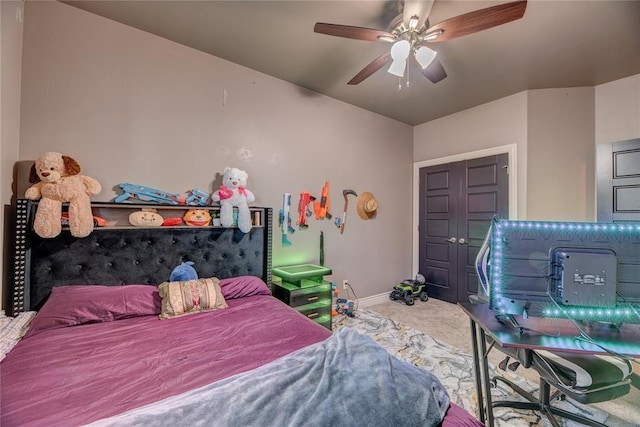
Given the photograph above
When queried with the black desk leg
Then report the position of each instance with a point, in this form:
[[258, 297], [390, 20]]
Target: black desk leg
[[485, 375], [476, 369]]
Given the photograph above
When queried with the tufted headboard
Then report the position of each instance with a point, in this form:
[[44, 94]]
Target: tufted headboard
[[116, 255]]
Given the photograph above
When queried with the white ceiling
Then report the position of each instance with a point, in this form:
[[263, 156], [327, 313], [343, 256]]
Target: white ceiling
[[556, 44]]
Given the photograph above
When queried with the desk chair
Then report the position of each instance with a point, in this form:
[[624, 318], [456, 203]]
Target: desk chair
[[585, 378]]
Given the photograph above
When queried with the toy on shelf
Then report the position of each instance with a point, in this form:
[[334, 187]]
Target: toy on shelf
[[146, 218], [97, 221], [197, 217], [146, 194], [285, 219], [197, 197], [171, 222], [56, 180], [233, 193], [409, 289], [304, 210]]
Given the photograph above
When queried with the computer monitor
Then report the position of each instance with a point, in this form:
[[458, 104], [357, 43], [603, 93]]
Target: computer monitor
[[583, 271]]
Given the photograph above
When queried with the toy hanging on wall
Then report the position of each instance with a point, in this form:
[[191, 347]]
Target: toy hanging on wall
[[304, 209], [322, 207], [233, 193], [285, 219], [57, 180]]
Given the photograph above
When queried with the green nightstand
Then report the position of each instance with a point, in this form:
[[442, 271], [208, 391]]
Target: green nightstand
[[303, 288]]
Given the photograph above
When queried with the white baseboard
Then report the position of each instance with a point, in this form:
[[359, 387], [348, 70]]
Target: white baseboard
[[373, 300]]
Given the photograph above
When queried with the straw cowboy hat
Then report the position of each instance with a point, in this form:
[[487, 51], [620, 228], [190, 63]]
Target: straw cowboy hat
[[367, 206]]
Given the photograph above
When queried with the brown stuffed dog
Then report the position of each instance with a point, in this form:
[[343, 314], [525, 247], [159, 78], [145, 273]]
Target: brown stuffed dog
[[57, 180]]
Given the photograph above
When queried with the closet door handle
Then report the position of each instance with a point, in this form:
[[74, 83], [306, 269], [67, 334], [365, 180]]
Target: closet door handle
[[451, 240], [462, 241]]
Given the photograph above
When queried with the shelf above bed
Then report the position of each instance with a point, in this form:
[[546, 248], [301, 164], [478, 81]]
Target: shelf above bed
[[117, 214]]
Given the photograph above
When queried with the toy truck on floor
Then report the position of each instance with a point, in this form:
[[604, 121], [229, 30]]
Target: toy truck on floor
[[409, 289]]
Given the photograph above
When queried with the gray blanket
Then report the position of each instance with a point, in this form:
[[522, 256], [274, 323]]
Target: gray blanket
[[346, 380]]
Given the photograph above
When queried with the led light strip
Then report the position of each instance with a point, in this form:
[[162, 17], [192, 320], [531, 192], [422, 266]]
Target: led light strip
[[497, 262]]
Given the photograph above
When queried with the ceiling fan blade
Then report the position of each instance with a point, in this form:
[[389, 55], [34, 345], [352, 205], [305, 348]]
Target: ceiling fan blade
[[374, 66], [434, 71], [351, 32], [478, 20]]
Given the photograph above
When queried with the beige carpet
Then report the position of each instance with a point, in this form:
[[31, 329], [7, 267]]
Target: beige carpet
[[448, 323]]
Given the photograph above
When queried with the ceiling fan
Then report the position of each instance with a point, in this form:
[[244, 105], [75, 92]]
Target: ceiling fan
[[410, 32]]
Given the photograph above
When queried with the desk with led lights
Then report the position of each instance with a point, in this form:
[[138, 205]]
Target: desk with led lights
[[540, 334]]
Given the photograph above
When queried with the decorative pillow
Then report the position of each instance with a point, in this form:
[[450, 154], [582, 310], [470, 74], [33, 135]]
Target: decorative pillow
[[191, 296], [243, 286], [77, 304], [13, 329]]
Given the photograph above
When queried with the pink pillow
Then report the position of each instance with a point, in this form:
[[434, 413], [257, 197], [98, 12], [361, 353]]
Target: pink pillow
[[243, 286], [77, 304]]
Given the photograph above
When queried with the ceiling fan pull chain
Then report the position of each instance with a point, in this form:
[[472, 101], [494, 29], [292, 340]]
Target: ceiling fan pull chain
[[407, 84]]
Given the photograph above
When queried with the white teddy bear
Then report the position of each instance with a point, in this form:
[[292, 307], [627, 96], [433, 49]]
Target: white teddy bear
[[232, 193]]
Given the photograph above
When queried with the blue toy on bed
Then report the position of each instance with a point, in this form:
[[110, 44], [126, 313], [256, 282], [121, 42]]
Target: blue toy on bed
[[183, 272]]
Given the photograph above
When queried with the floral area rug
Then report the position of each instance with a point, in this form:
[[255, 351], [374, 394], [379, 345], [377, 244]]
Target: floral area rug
[[454, 368]]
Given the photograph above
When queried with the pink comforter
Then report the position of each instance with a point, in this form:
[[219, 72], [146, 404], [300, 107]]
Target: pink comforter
[[79, 374]]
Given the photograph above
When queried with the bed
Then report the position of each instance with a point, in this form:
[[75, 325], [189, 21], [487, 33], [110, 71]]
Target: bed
[[97, 352]]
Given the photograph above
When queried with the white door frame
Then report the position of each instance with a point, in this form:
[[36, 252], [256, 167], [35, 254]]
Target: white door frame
[[511, 150]]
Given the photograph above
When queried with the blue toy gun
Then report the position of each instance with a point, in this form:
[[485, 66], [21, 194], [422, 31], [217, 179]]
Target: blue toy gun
[[198, 198], [146, 194], [285, 219]]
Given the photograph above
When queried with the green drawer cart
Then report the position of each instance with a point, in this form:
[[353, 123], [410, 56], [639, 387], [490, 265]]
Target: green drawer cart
[[304, 288]]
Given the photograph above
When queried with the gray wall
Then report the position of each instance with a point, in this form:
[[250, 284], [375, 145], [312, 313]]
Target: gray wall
[[561, 154], [11, 13], [495, 124], [133, 107], [555, 131]]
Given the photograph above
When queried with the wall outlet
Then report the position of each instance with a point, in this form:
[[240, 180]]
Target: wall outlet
[[345, 284]]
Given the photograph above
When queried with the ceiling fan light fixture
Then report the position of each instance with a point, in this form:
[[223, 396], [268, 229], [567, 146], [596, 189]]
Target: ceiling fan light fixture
[[397, 67], [399, 53], [425, 56], [413, 22]]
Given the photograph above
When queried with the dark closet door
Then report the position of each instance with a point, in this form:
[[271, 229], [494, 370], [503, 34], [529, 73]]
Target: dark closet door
[[619, 181], [457, 203]]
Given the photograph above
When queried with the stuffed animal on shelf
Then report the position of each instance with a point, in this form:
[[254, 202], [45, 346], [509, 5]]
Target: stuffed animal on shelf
[[197, 217], [183, 272], [233, 193], [146, 218], [57, 180]]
